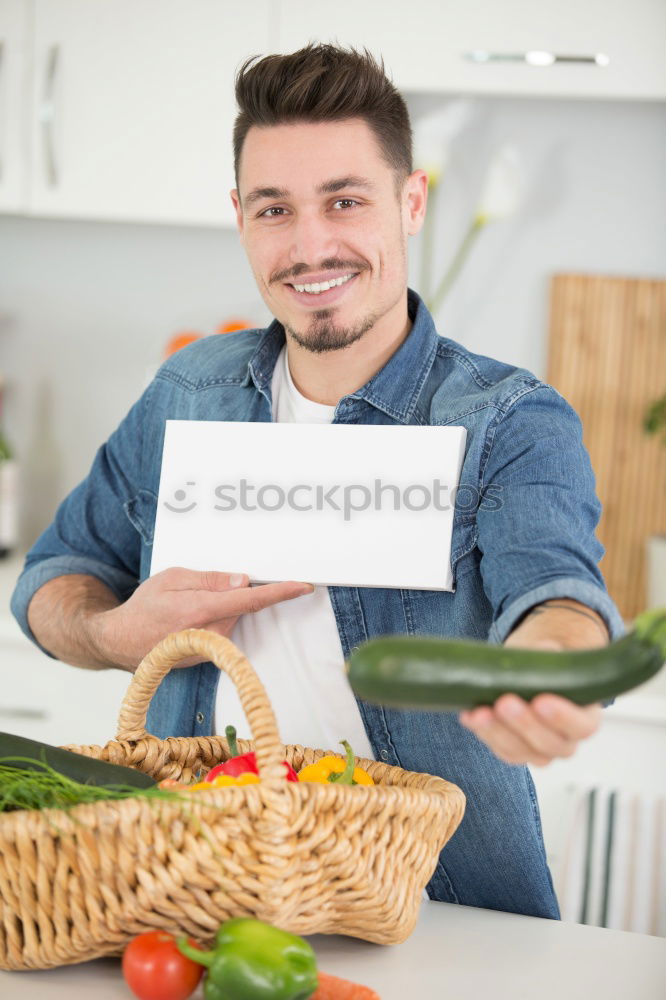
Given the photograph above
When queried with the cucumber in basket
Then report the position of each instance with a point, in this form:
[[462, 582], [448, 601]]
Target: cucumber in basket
[[446, 674], [76, 766]]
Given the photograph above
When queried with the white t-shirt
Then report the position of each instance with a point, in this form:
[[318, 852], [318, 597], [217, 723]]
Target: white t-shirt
[[294, 646]]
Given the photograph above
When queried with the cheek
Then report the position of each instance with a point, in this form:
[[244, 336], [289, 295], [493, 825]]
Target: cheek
[[262, 262], [392, 251]]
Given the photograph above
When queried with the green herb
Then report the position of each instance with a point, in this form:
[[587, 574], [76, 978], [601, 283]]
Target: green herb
[[27, 788]]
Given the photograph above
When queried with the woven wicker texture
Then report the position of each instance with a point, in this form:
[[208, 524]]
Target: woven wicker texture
[[80, 883]]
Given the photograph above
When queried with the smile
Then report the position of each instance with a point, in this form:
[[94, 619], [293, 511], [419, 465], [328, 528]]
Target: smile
[[322, 292], [322, 286]]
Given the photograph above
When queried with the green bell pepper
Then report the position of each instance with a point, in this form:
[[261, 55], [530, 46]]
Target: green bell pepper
[[253, 960]]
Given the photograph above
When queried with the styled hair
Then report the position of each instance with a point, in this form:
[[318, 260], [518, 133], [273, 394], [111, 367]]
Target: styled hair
[[323, 83]]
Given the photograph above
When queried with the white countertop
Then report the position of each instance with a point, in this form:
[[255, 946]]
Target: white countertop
[[456, 952]]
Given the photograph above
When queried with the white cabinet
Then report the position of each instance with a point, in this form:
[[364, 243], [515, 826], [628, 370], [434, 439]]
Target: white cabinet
[[123, 110], [424, 43], [13, 105], [133, 107]]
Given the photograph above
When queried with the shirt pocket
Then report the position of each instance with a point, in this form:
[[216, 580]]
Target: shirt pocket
[[142, 511]]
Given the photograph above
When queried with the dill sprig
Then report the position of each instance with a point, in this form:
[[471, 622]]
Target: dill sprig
[[31, 788]]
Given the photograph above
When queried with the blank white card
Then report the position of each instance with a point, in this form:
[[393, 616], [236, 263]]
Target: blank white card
[[332, 504]]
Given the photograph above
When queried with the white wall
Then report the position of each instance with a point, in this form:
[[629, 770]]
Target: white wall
[[596, 203], [85, 308], [85, 311]]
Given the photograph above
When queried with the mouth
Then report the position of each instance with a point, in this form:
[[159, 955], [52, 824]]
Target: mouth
[[322, 293]]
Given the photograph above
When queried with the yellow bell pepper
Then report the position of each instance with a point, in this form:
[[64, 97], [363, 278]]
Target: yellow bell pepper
[[336, 770], [224, 780]]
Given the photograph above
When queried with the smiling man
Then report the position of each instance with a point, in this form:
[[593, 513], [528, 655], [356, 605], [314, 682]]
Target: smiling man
[[352, 227], [326, 200]]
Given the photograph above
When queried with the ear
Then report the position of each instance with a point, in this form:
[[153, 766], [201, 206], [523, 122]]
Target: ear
[[235, 198], [415, 199]]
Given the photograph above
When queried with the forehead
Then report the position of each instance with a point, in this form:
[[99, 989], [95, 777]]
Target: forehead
[[302, 154]]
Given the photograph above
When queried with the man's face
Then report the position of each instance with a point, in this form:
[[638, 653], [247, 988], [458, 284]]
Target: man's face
[[317, 206]]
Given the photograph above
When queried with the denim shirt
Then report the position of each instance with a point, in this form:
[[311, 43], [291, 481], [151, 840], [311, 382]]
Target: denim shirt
[[523, 528]]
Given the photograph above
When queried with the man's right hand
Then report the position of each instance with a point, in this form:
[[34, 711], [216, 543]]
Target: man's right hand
[[177, 599]]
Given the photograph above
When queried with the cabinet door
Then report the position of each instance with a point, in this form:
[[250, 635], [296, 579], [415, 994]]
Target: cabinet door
[[424, 43], [13, 104], [134, 107]]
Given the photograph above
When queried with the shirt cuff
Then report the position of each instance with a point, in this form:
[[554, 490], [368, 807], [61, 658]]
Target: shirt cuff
[[569, 586], [573, 587], [33, 577]]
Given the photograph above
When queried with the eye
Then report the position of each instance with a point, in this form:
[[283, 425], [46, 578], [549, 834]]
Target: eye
[[274, 212], [346, 203]]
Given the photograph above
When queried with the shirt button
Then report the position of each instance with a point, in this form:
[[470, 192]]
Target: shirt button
[[200, 717], [354, 649], [383, 754]]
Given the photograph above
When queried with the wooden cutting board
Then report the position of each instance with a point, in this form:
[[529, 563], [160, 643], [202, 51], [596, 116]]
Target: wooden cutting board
[[607, 356]]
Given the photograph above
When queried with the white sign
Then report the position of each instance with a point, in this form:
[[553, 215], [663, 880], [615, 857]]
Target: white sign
[[332, 504]]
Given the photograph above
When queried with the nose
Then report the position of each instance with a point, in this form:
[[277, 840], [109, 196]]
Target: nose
[[313, 239]]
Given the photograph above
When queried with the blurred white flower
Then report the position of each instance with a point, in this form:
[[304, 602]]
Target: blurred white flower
[[502, 194], [504, 186], [433, 134]]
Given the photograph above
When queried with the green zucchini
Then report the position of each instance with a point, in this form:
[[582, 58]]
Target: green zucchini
[[76, 766], [427, 673]]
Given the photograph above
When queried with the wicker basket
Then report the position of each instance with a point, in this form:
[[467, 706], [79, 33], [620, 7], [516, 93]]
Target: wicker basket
[[78, 884]]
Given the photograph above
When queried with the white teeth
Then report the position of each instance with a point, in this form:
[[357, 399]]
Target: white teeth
[[323, 286]]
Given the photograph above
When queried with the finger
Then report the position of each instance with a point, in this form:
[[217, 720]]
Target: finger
[[571, 721], [266, 594], [504, 743], [248, 600], [179, 578], [521, 719]]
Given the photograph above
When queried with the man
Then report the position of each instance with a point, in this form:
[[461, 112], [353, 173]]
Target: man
[[326, 199]]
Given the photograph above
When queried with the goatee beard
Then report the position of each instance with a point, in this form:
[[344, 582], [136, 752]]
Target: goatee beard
[[323, 335]]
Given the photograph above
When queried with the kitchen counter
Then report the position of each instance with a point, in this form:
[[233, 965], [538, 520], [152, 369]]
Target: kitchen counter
[[456, 952]]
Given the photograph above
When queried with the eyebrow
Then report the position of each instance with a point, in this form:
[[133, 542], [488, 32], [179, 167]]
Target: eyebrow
[[328, 187]]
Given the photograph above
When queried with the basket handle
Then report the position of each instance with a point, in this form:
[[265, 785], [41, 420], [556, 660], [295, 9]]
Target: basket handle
[[226, 656]]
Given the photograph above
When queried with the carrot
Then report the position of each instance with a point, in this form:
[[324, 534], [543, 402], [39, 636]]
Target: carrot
[[334, 988]]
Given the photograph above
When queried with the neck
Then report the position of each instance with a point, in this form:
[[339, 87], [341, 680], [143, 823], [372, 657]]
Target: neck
[[327, 377]]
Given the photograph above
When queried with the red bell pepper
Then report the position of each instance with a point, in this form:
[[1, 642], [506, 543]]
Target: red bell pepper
[[242, 763]]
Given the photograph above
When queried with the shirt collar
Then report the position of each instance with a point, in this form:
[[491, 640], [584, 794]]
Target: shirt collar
[[394, 389]]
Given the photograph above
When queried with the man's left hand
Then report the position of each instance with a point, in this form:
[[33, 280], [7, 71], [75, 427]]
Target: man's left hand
[[534, 732]]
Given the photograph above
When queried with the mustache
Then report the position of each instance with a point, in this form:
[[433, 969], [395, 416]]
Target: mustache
[[330, 264]]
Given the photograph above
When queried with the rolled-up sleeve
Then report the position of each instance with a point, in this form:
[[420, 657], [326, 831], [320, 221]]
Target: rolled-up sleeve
[[91, 532], [539, 512]]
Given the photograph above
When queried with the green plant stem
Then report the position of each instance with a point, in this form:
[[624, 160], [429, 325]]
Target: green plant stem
[[461, 255], [232, 742]]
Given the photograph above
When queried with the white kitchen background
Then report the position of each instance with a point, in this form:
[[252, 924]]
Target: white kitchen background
[[115, 157]]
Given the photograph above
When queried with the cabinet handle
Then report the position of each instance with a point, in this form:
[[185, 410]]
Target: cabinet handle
[[535, 58], [47, 115], [3, 110], [23, 713]]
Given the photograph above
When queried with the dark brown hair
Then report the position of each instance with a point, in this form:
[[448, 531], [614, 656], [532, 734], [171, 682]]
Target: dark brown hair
[[323, 83]]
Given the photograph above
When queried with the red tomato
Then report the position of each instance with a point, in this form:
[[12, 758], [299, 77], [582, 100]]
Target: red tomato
[[154, 969]]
